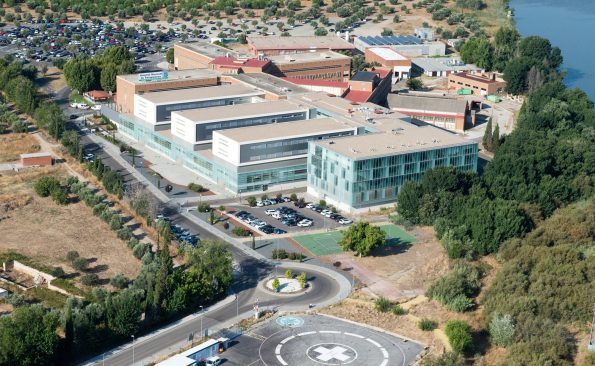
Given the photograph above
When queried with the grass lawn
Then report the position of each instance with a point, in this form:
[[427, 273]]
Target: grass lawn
[[327, 243]]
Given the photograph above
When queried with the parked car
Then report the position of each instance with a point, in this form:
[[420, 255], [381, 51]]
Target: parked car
[[270, 211], [345, 221], [259, 203], [310, 205], [96, 107], [279, 231], [305, 223]]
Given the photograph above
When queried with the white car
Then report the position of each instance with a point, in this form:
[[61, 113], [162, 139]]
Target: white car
[[259, 203], [73, 105], [304, 223], [345, 221], [324, 212], [213, 361], [96, 107], [310, 205], [269, 211], [82, 106]]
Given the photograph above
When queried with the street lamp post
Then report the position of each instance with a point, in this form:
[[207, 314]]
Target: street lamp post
[[132, 350], [201, 314]]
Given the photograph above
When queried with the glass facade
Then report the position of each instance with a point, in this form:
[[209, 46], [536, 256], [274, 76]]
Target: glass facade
[[375, 181], [231, 178]]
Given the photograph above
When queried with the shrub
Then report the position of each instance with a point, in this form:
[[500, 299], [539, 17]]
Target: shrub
[[195, 187], [80, 264], [398, 310], [99, 293], [501, 329], [147, 258], [293, 197], [295, 256], [203, 207], [115, 222], [427, 325], [337, 264], [322, 203], [302, 279], [446, 359], [140, 249], [226, 225], [240, 231], [44, 186], [460, 303], [455, 289], [119, 281], [15, 300], [251, 201], [90, 279], [72, 255], [57, 272], [279, 254], [132, 242], [99, 208], [106, 215], [59, 195], [124, 233], [459, 335], [289, 274], [382, 304]]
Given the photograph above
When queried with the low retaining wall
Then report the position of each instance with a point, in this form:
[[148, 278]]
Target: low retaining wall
[[37, 274]]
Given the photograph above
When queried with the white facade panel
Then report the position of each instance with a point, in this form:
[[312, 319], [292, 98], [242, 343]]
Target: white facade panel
[[226, 149], [183, 128], [144, 109]]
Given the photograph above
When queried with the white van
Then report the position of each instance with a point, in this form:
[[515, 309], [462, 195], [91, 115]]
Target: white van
[[213, 361]]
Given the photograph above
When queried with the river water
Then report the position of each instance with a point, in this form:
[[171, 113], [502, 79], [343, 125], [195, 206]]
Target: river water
[[568, 24]]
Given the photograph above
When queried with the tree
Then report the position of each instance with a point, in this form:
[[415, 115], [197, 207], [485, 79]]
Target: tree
[[108, 77], [81, 74], [487, 136], [251, 201], [515, 75], [119, 281], [289, 274], [362, 238], [387, 32], [446, 359], [501, 329], [408, 202], [293, 197], [80, 264], [302, 279], [123, 311], [459, 335], [496, 138], [169, 55], [28, 337], [23, 93], [415, 84], [276, 285], [45, 185]]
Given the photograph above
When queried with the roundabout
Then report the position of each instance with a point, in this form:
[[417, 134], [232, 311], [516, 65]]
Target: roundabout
[[286, 286]]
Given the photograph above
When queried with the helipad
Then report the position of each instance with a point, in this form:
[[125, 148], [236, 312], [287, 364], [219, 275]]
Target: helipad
[[326, 341]]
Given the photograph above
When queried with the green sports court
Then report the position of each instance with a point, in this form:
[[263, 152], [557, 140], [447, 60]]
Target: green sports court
[[326, 243]]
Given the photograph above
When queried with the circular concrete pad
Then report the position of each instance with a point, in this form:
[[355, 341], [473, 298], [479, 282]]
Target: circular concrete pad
[[315, 345]]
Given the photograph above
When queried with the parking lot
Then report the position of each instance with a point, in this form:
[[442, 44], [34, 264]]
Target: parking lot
[[287, 217]]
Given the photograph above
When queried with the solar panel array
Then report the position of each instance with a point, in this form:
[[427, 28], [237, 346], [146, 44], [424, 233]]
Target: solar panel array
[[390, 40]]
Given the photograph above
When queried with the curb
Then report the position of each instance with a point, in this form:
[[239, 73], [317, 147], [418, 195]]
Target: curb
[[228, 300], [377, 329]]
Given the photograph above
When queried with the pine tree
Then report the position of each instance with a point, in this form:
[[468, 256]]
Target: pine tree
[[487, 136], [496, 138]]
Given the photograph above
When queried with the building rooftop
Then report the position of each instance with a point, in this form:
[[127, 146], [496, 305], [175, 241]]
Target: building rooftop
[[479, 78], [443, 63], [174, 75], [210, 50], [327, 83], [286, 130], [36, 155], [427, 103], [204, 93], [307, 57], [365, 76], [269, 83], [403, 137], [387, 53], [299, 43], [239, 62], [358, 96], [239, 111], [390, 40]]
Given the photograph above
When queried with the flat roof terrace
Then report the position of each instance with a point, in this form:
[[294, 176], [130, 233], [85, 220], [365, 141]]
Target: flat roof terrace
[[174, 76], [240, 111], [209, 49], [300, 43], [403, 138], [286, 130], [307, 57], [204, 93]]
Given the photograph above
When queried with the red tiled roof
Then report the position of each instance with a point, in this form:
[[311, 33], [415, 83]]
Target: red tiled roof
[[382, 73], [358, 96], [239, 62], [332, 84], [98, 94]]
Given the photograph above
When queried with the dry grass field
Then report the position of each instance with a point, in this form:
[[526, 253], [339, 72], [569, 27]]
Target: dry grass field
[[14, 144], [44, 231]]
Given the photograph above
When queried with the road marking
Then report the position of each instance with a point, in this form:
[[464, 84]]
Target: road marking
[[335, 353], [374, 342], [329, 331], [354, 335], [281, 360], [278, 349], [287, 339], [384, 352], [385, 362], [305, 333]]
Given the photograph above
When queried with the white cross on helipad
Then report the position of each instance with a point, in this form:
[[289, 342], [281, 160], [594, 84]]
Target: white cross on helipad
[[333, 353]]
